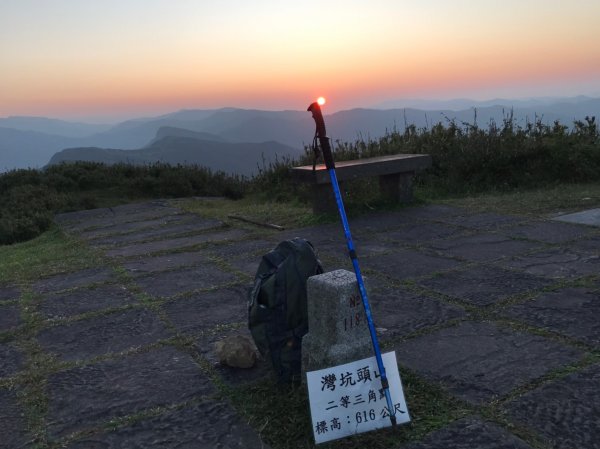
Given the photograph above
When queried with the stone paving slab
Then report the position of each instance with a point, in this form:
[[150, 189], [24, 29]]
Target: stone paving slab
[[556, 263], [208, 425], [175, 243], [11, 358], [589, 217], [191, 225], [404, 264], [170, 283], [470, 433], [400, 313], [203, 311], [420, 233], [246, 264], [83, 300], [13, 432], [434, 212], [484, 221], [482, 247], [74, 279], [97, 218], [564, 412], [153, 264], [8, 292], [91, 395], [549, 231], [256, 247], [480, 361], [574, 312], [108, 220], [590, 245], [484, 286], [133, 226], [377, 222], [116, 332], [123, 209], [10, 317]]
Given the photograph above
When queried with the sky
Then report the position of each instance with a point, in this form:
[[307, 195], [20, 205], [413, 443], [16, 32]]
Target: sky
[[113, 59]]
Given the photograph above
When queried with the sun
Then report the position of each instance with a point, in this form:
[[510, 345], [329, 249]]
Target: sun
[[321, 101]]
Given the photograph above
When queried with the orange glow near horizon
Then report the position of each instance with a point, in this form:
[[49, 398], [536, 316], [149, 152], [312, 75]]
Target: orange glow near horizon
[[75, 58], [321, 101]]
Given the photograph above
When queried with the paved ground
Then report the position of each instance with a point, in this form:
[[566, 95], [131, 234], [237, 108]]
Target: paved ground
[[501, 311]]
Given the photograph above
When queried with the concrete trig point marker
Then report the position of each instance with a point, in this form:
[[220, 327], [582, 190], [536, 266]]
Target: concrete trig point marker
[[344, 386], [337, 326]]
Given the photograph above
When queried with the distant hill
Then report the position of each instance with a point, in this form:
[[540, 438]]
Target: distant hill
[[22, 149], [26, 145], [171, 131], [52, 126], [241, 158]]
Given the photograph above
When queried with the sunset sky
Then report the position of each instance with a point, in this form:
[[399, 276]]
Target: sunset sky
[[109, 59]]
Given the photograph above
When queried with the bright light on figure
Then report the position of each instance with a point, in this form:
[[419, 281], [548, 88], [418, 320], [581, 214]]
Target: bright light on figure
[[321, 101]]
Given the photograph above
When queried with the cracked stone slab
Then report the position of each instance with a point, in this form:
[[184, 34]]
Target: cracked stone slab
[[8, 292], [12, 360], [484, 221], [565, 412], [146, 265], [557, 263], [549, 231], [404, 263], [61, 305], [175, 243], [191, 225], [12, 422], [400, 313], [75, 279], [480, 361], [482, 247], [574, 312], [418, 234], [483, 286], [10, 317], [470, 433], [91, 395], [171, 283], [206, 425], [206, 310], [113, 333]]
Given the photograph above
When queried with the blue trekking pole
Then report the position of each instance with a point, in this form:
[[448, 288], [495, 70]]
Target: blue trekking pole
[[323, 140]]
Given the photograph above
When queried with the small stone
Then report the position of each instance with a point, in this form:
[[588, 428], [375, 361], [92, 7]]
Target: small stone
[[236, 351]]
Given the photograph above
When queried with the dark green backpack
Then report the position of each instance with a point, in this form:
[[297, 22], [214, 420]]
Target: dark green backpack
[[277, 306]]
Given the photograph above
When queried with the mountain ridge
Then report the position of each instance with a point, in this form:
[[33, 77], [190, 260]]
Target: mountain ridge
[[291, 128]]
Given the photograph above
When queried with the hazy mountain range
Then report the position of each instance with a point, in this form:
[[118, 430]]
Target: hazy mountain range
[[231, 139]]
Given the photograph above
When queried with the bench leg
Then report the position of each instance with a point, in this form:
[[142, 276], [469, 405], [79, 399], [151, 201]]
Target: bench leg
[[397, 187], [324, 199]]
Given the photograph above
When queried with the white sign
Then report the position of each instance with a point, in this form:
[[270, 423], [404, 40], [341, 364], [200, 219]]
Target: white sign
[[348, 399]]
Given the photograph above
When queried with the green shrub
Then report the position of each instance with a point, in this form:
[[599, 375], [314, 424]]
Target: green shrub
[[466, 159]]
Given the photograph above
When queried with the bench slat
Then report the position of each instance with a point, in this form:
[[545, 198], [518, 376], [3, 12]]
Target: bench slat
[[374, 166]]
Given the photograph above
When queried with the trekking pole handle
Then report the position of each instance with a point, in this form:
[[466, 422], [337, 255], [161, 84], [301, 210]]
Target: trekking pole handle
[[321, 134]]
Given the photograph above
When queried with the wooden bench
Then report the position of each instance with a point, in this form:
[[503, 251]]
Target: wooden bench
[[395, 174]]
